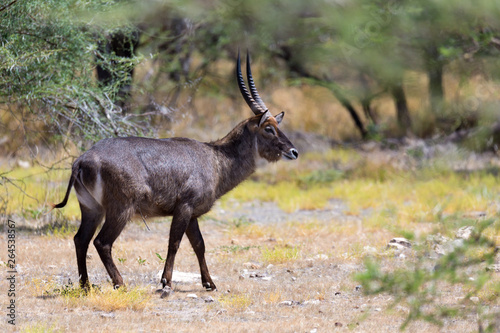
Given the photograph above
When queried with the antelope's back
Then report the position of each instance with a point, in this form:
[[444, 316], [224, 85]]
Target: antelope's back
[[153, 174]]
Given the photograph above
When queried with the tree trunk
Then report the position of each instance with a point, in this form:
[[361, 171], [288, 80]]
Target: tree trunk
[[352, 112], [435, 69], [403, 114], [298, 69], [119, 44]]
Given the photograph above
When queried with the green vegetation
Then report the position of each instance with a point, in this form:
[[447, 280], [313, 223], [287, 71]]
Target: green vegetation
[[74, 72], [419, 284]]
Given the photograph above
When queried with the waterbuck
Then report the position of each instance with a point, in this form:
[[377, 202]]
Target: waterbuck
[[121, 177]]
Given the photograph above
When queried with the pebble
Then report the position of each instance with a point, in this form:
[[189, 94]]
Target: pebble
[[400, 241], [108, 315], [192, 296], [321, 256], [464, 232], [312, 301], [474, 299], [288, 303], [209, 299]]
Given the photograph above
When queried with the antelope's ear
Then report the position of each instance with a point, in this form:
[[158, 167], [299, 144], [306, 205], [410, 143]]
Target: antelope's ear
[[279, 117], [265, 116]]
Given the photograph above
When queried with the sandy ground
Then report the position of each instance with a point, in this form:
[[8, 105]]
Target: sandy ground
[[313, 291]]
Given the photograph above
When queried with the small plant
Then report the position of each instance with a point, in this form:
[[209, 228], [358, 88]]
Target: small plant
[[59, 229], [141, 261], [161, 259], [241, 222], [280, 254], [237, 248], [235, 302], [40, 328], [122, 260]]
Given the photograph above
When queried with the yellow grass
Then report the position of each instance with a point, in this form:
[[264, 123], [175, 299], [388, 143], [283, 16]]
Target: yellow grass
[[280, 254]]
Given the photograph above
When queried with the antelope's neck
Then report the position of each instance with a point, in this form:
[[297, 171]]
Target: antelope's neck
[[235, 157]]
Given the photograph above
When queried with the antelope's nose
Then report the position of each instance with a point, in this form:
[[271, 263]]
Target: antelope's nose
[[292, 154]]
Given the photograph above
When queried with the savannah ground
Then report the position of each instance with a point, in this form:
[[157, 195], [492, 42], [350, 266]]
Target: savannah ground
[[284, 248]]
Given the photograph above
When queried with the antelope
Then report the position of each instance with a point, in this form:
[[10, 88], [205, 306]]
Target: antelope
[[119, 178]]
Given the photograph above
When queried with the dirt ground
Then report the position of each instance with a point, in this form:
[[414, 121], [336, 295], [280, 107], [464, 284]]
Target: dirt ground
[[275, 272]]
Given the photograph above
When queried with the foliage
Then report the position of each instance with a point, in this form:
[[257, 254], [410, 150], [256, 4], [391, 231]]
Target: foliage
[[359, 51], [419, 286], [46, 73]]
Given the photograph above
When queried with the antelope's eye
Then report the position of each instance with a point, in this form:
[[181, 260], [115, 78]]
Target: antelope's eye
[[270, 130]]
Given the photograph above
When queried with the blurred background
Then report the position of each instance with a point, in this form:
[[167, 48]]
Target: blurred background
[[393, 105], [73, 72]]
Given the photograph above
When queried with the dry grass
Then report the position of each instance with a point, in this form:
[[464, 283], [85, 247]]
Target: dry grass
[[291, 274], [317, 282]]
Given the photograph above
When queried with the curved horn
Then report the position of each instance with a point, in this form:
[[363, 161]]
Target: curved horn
[[256, 108], [251, 84]]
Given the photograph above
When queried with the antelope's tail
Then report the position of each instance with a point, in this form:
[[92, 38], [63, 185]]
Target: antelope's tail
[[72, 179]]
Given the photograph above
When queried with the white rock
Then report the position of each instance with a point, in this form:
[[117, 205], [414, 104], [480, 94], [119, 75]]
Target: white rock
[[108, 315], [401, 241], [192, 296], [396, 246], [321, 256], [464, 232], [312, 301]]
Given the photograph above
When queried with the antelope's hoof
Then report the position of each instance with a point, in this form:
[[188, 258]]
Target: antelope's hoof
[[209, 286]]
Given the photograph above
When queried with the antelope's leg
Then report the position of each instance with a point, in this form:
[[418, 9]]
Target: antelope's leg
[[110, 231], [180, 222], [196, 239], [91, 218]]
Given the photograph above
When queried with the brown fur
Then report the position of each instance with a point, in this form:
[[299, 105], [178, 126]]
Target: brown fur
[[122, 177]]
